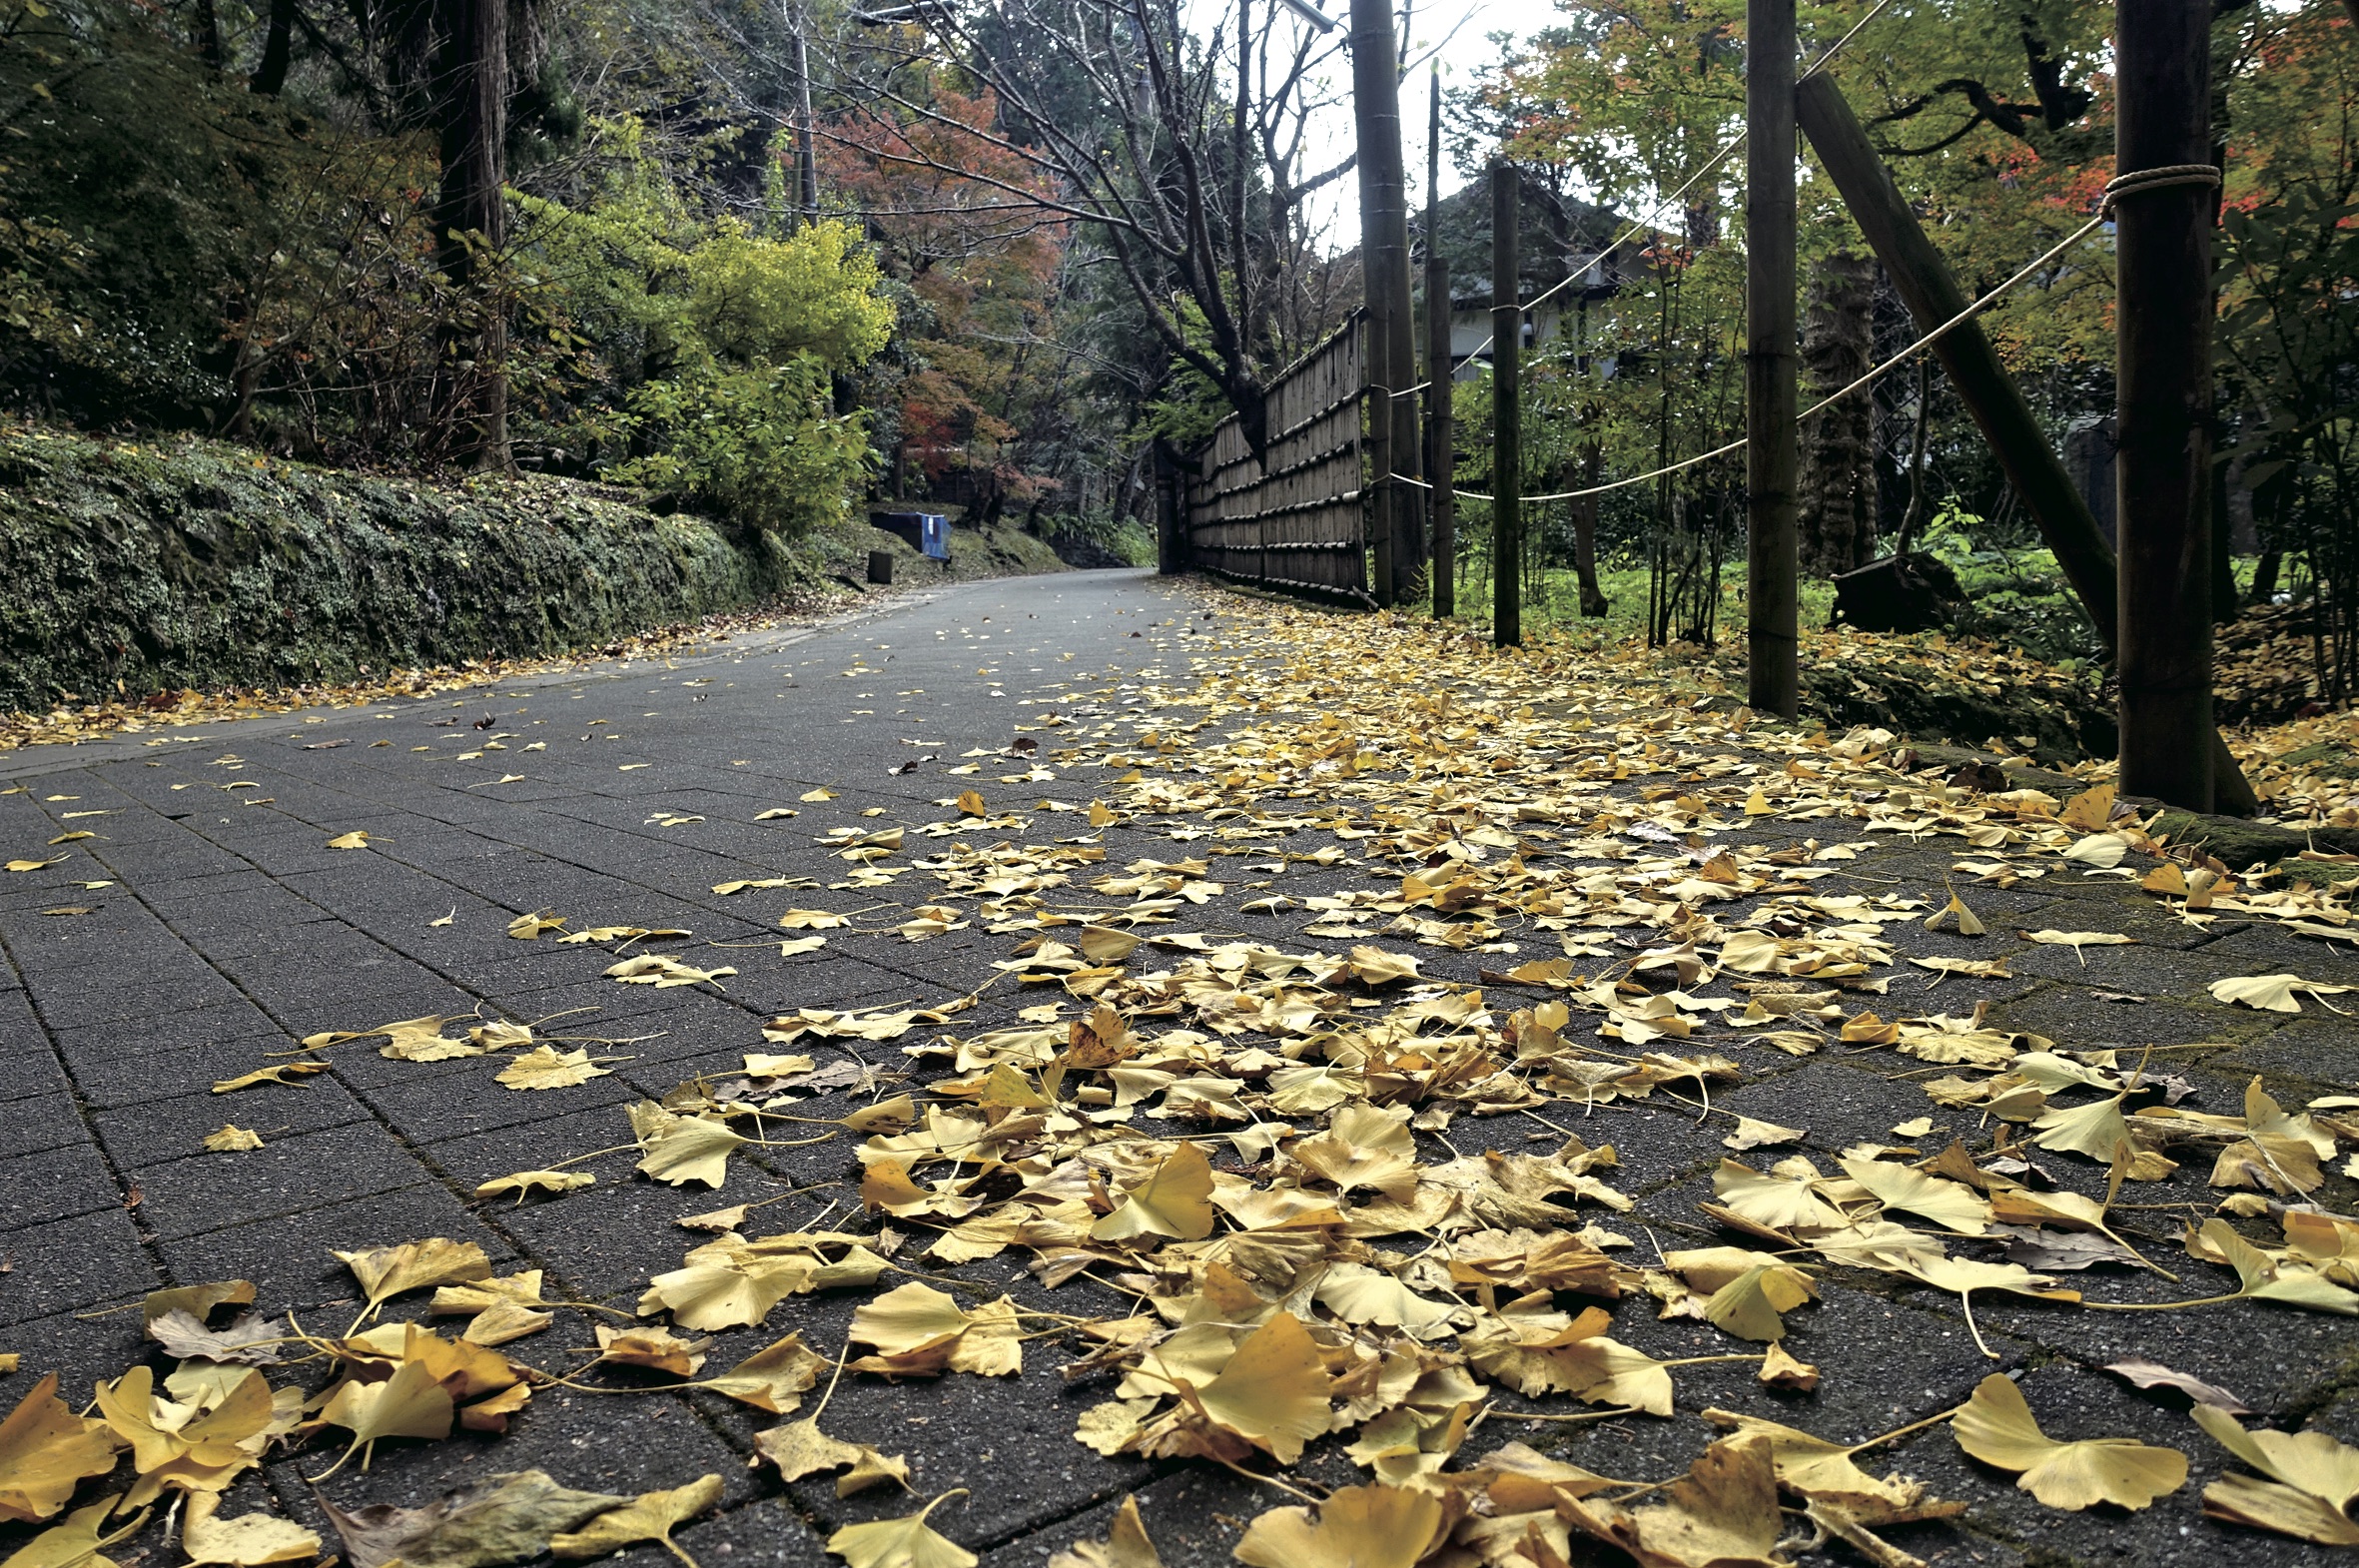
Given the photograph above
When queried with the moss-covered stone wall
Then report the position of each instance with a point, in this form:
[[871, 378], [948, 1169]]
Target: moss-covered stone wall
[[184, 564]]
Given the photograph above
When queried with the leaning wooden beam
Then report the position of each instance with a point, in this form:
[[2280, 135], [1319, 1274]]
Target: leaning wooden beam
[[1983, 384]]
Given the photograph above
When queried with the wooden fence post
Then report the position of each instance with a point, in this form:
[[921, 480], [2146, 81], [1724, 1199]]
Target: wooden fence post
[[1439, 438], [1384, 262], [1771, 460], [1925, 282], [2163, 382], [1506, 409]]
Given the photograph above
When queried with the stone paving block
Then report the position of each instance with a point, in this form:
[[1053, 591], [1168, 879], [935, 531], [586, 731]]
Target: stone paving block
[[289, 1257], [137, 1131], [54, 1183], [69, 1265], [159, 1031], [117, 1079], [189, 1192], [82, 1350]]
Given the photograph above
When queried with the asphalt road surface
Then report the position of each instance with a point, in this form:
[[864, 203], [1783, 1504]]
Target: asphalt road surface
[[221, 928]]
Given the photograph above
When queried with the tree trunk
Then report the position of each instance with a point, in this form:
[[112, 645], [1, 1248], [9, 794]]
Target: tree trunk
[[1593, 599], [209, 44], [1506, 409], [1837, 498], [470, 217], [278, 51]]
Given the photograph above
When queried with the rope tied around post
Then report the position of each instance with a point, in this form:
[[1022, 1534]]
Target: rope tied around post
[[2164, 176]]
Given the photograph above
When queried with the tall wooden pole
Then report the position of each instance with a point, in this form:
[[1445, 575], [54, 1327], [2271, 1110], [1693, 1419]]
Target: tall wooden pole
[[1439, 438], [1506, 409], [1925, 282], [1771, 459], [2163, 392], [1392, 329]]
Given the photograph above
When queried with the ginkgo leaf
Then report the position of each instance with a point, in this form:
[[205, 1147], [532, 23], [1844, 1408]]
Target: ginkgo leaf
[[525, 1183], [1996, 1427], [774, 1377], [1749, 1305], [710, 1295], [1723, 1511], [1968, 924], [248, 1541], [2264, 1279], [357, 839], [1966, 1276], [664, 972], [2104, 851], [900, 1543], [410, 1403], [2312, 1482], [1819, 1469], [800, 1448], [2091, 810], [499, 1520], [502, 1322], [543, 1067], [284, 1072], [387, 1272], [678, 1148], [229, 1138], [657, 1349], [1374, 966], [1126, 1544], [2076, 940], [1363, 1146], [1355, 1527], [2095, 1129], [1777, 1201], [527, 926], [909, 1318], [44, 1453], [650, 1516], [251, 1341], [2153, 1374], [78, 1542], [1174, 1200], [1274, 1391], [1359, 1295], [1751, 1133], [2270, 992], [1950, 1205]]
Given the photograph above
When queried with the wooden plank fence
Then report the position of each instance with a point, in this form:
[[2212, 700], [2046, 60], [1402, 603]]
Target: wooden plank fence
[[1296, 522]]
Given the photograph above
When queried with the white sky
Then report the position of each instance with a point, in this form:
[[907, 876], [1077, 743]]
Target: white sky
[[1467, 55]]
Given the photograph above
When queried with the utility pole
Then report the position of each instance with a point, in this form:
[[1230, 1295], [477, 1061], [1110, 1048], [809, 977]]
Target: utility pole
[[1772, 458], [1384, 263], [1506, 409], [2163, 379], [1439, 438]]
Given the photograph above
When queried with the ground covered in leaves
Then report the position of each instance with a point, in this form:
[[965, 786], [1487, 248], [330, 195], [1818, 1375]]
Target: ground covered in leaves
[[1255, 1084]]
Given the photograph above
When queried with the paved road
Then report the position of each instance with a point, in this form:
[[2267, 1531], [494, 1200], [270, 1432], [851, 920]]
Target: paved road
[[227, 929]]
